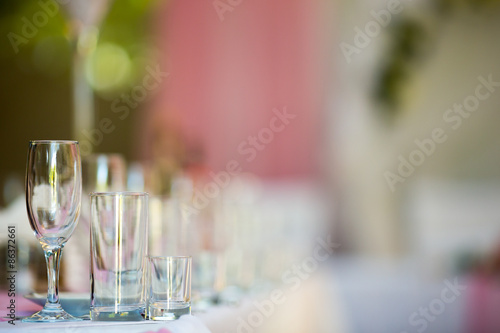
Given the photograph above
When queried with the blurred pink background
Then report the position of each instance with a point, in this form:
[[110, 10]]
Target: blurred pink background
[[276, 46]]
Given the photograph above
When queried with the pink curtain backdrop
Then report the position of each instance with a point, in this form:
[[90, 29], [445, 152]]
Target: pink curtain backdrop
[[227, 76]]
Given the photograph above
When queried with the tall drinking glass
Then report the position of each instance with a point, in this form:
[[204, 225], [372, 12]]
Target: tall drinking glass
[[118, 237], [53, 198]]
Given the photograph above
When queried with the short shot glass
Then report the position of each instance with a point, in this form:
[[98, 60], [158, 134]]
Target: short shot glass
[[168, 287]]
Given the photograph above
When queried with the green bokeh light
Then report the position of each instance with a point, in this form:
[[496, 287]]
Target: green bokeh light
[[108, 68]]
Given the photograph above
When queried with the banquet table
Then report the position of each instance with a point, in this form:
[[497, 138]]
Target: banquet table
[[347, 295], [24, 307]]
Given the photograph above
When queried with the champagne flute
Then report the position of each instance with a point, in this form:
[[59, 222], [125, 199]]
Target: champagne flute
[[53, 198]]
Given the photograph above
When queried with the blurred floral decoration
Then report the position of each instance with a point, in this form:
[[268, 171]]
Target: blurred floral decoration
[[39, 36], [411, 38]]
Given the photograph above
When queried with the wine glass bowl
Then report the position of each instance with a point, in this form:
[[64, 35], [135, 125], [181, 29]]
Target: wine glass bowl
[[53, 199]]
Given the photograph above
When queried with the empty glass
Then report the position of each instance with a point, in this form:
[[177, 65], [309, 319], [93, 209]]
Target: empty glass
[[118, 226], [100, 173], [168, 291], [164, 226], [53, 198], [104, 173]]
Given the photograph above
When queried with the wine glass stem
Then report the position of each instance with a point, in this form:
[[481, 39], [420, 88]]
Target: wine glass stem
[[53, 258]]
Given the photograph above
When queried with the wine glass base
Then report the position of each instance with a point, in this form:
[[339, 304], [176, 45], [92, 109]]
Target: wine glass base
[[50, 316]]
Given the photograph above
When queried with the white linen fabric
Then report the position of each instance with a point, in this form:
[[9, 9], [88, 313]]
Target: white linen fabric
[[186, 324]]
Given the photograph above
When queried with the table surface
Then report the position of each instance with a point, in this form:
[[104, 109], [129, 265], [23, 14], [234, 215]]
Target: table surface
[[346, 296], [24, 307]]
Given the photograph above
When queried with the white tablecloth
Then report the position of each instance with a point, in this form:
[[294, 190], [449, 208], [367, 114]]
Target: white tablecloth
[[186, 324]]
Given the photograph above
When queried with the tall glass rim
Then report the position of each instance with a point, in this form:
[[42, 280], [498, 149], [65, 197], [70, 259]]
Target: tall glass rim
[[53, 141], [119, 194]]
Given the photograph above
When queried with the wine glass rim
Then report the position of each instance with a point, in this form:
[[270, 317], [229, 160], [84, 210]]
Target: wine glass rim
[[119, 193], [54, 141]]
